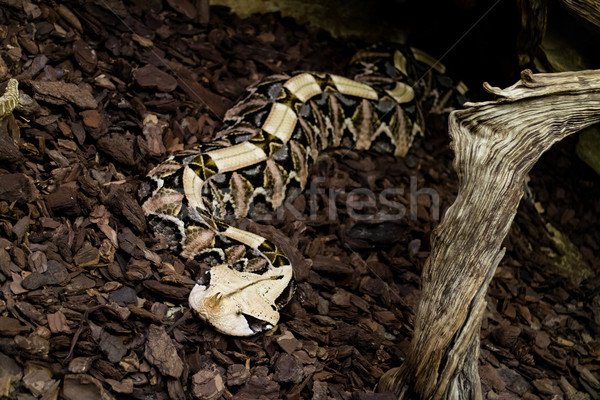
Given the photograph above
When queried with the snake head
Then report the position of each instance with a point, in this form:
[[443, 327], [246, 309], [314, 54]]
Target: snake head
[[241, 303]]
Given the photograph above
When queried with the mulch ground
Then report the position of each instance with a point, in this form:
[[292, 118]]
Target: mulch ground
[[93, 306]]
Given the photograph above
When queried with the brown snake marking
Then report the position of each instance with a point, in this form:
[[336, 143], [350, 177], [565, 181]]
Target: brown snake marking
[[270, 140]]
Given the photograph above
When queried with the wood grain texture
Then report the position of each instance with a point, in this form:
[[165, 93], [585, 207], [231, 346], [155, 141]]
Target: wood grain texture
[[588, 10], [496, 143]]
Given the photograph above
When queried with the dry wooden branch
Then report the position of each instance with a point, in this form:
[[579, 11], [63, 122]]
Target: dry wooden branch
[[496, 143], [588, 10]]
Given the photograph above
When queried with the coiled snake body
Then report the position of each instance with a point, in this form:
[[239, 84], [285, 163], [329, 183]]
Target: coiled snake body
[[269, 142]]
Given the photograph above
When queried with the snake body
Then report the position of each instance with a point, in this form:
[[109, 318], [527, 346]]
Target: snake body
[[268, 144], [10, 98]]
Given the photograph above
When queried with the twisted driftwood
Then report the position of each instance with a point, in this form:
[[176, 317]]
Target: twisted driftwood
[[588, 10], [496, 144]]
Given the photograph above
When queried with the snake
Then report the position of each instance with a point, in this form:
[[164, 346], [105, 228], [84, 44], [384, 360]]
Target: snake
[[10, 98], [264, 152], [262, 155]]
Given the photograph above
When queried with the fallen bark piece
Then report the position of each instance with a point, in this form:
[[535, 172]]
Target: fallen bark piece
[[82, 386], [207, 385], [87, 256], [161, 352], [259, 387], [85, 56], [17, 187], [288, 369], [38, 381], [496, 144], [64, 201], [124, 205], [55, 273], [151, 77], [237, 374], [10, 374], [60, 93], [587, 10], [11, 327], [120, 147], [153, 134], [113, 346]]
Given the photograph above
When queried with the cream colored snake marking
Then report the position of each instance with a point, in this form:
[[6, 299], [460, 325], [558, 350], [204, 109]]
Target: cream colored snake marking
[[10, 98], [269, 142]]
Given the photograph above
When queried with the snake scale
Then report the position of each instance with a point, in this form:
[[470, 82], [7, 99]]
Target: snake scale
[[269, 142], [265, 150]]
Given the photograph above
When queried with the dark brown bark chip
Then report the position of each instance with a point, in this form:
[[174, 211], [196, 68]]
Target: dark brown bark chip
[[33, 346], [82, 386], [37, 65], [258, 388], [138, 270], [144, 314], [125, 386], [56, 274], [201, 95], [80, 365], [87, 256], [31, 313], [64, 201], [9, 152], [183, 7], [57, 322], [124, 295], [373, 396], [21, 228], [506, 336], [237, 374], [288, 342], [39, 382], [207, 385], [151, 77], [124, 205], [490, 377], [11, 327], [542, 339], [514, 381], [131, 244], [85, 56], [160, 351], [79, 132], [59, 93], [122, 148], [331, 266], [111, 345], [10, 373], [153, 135], [308, 330], [17, 187], [288, 369], [91, 118], [170, 291], [547, 386], [175, 390]]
